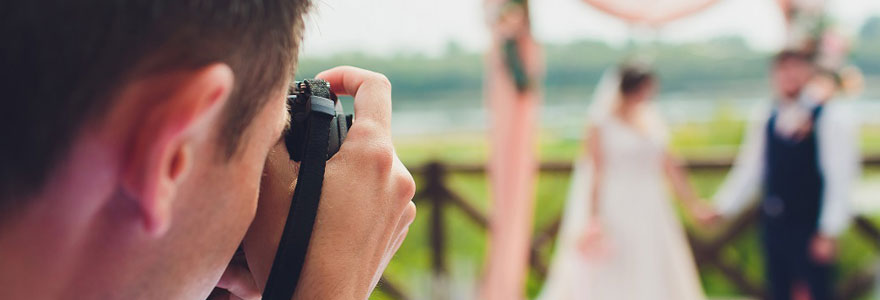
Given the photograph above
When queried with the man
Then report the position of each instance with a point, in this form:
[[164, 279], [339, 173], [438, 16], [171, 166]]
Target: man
[[804, 155], [134, 139]]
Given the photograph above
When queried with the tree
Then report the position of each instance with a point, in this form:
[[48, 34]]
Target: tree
[[871, 29]]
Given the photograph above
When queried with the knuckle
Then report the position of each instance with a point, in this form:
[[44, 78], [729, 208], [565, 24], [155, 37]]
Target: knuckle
[[367, 143], [382, 155], [379, 80], [406, 185], [364, 129]]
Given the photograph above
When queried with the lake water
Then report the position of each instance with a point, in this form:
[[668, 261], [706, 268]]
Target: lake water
[[571, 114]]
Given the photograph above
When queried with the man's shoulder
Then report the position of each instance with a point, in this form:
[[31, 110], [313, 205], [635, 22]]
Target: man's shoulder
[[759, 113], [838, 117], [839, 111]]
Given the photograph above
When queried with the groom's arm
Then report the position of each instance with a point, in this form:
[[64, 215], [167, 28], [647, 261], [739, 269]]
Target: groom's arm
[[744, 179], [839, 159]]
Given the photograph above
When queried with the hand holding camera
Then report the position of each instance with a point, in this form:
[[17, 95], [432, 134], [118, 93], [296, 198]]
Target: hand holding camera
[[365, 208]]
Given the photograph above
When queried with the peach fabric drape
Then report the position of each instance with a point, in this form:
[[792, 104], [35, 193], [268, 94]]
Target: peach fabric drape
[[651, 12], [513, 117]]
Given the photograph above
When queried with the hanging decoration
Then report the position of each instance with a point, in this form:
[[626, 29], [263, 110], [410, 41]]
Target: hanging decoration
[[513, 77], [650, 12], [809, 30]]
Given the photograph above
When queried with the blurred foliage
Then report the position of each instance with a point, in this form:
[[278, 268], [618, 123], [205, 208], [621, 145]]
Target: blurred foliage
[[713, 140], [720, 68], [870, 30], [866, 54]]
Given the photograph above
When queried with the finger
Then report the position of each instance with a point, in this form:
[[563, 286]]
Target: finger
[[386, 258], [407, 218], [395, 237], [371, 92], [400, 228], [400, 239], [395, 245], [238, 280]]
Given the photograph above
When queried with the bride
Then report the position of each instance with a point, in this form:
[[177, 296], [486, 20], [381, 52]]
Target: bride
[[620, 236]]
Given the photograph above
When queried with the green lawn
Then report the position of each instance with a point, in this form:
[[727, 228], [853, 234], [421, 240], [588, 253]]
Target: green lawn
[[410, 269]]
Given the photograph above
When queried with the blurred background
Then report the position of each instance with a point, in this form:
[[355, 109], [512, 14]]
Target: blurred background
[[713, 68]]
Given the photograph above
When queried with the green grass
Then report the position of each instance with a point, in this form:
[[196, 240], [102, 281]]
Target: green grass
[[466, 247]]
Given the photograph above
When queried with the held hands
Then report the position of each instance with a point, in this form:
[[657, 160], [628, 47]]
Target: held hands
[[704, 214], [366, 203], [823, 248]]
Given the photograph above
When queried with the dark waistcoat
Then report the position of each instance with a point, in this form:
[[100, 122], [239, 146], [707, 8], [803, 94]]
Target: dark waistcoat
[[793, 181]]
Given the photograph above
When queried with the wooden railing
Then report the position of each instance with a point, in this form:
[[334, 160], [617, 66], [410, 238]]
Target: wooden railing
[[435, 191]]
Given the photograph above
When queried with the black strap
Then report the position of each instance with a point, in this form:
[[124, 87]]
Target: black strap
[[291, 254]]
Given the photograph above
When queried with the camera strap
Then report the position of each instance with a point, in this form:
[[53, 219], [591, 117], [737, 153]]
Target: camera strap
[[290, 256]]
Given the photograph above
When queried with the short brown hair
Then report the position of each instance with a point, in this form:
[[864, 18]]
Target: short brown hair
[[62, 61]]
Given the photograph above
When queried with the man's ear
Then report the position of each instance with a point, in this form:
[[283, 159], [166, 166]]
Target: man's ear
[[171, 110]]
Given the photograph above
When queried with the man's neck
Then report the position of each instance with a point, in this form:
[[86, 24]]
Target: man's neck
[[33, 252], [47, 254], [49, 246]]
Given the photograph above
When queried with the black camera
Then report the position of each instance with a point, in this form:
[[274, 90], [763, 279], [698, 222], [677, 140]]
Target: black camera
[[318, 127], [305, 97]]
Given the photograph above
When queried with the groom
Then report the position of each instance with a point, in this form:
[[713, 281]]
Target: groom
[[803, 155]]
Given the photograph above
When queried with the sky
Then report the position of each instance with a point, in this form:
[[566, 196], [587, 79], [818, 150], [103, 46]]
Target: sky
[[388, 27]]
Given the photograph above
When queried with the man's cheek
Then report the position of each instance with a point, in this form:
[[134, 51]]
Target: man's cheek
[[274, 203], [244, 189]]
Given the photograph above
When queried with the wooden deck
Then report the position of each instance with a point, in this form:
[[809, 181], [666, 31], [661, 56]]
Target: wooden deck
[[435, 192]]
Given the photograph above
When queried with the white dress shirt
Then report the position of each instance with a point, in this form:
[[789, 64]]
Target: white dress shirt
[[839, 161]]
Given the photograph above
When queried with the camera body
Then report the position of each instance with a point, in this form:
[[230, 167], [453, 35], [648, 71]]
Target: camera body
[[308, 95], [318, 127]]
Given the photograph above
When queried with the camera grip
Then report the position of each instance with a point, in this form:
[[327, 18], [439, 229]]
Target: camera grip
[[338, 130]]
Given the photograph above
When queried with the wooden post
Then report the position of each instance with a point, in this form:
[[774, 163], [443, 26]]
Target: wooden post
[[436, 193]]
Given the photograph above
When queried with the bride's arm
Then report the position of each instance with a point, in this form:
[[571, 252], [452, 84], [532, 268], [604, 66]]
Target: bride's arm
[[594, 153], [682, 187]]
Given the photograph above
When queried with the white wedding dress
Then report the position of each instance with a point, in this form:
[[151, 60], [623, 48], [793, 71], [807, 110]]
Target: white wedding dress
[[648, 257]]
